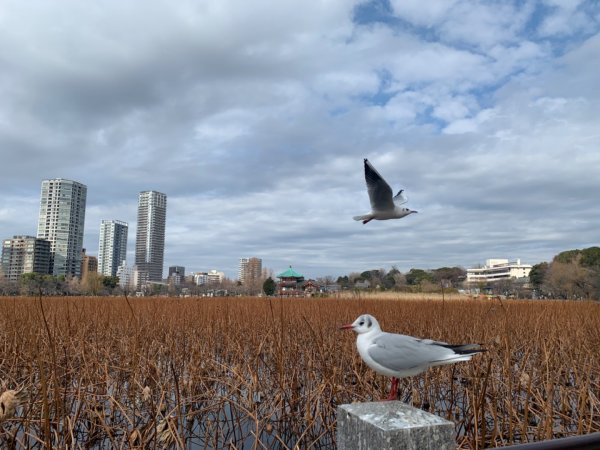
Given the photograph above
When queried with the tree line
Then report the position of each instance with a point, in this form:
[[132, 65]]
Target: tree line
[[415, 280], [572, 274]]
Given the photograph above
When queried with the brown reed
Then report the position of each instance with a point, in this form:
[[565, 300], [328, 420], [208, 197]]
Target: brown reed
[[269, 372]]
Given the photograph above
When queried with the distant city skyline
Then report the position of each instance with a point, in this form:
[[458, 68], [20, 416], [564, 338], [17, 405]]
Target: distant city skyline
[[113, 234]]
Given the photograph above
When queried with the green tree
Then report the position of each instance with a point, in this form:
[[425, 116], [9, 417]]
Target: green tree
[[538, 273], [389, 280], [590, 257], [417, 276], [449, 275], [110, 282], [32, 283], [567, 257], [344, 282], [269, 286]]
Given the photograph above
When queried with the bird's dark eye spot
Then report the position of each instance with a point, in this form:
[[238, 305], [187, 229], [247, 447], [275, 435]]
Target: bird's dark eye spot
[[362, 323], [369, 323]]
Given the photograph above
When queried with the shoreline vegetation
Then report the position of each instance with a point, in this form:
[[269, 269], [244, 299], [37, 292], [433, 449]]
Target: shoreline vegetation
[[248, 372]]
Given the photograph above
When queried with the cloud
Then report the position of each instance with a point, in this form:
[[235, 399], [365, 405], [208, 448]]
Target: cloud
[[254, 120]]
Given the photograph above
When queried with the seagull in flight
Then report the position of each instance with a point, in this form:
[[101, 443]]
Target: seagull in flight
[[398, 356], [383, 205]]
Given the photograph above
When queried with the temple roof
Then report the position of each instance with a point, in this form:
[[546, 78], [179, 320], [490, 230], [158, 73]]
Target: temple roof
[[290, 273]]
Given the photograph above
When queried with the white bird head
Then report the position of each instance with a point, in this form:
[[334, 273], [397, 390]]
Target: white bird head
[[363, 324]]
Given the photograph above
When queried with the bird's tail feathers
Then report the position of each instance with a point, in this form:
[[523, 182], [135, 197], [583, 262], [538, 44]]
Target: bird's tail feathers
[[462, 352], [466, 349], [451, 360], [365, 217]]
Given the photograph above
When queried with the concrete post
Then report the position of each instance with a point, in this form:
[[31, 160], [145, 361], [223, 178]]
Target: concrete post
[[391, 425]]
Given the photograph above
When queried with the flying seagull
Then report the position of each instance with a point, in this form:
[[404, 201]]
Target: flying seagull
[[398, 356], [383, 205]]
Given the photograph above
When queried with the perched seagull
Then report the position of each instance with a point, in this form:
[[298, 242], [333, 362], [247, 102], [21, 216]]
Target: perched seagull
[[399, 356], [383, 205]]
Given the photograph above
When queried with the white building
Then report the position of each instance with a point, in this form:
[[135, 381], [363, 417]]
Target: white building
[[498, 269], [242, 269], [200, 278], [125, 274], [61, 221], [210, 277], [215, 277], [112, 248]]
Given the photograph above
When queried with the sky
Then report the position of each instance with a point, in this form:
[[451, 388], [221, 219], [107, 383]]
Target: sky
[[255, 117]]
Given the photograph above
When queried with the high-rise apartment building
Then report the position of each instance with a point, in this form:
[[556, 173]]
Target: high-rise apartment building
[[25, 254], [150, 236], [250, 270], [112, 248], [242, 269], [61, 221]]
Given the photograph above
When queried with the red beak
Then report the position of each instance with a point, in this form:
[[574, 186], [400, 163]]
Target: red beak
[[347, 327]]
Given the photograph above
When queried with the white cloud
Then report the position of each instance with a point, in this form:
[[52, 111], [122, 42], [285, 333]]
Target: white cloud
[[254, 119]]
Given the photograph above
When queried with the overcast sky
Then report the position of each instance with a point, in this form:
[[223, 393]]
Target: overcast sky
[[254, 118]]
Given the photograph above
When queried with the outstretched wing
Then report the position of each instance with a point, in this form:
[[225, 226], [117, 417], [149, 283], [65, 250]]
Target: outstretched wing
[[380, 193], [400, 198]]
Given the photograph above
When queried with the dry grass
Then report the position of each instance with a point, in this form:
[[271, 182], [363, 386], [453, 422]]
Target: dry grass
[[393, 295], [260, 373]]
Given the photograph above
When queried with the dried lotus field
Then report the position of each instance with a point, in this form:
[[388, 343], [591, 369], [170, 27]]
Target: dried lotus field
[[256, 373]]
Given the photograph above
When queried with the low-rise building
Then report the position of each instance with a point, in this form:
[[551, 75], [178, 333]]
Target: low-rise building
[[200, 278], [215, 277], [497, 270], [176, 275]]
